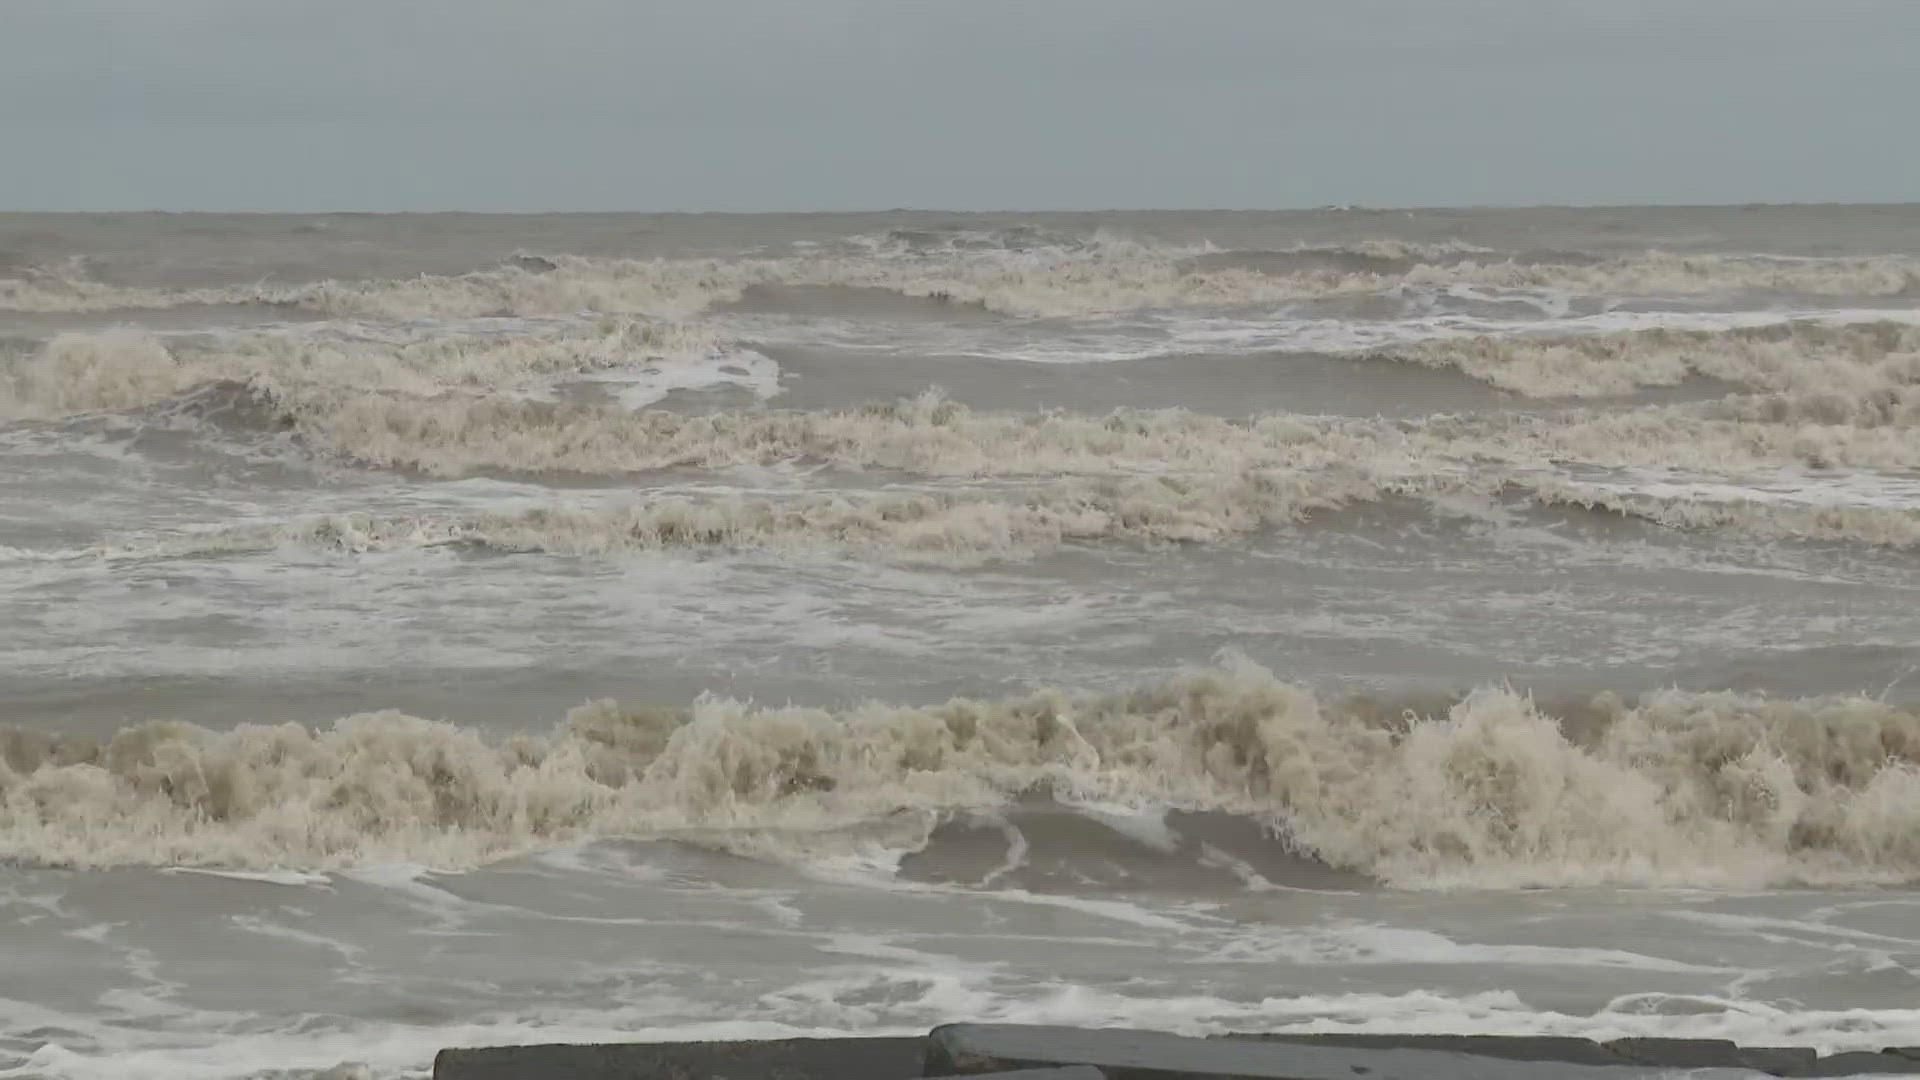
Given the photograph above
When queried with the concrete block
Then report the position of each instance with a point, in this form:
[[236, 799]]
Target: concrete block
[[1143, 1055], [1066, 1073], [1781, 1060], [776, 1059], [1861, 1063], [1679, 1053]]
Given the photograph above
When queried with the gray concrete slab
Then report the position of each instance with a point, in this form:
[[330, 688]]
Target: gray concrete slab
[[777, 1059], [1718, 1054], [1064, 1073], [1019, 1052], [1862, 1063], [1140, 1055]]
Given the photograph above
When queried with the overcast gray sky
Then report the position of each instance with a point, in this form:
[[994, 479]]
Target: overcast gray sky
[[964, 104]]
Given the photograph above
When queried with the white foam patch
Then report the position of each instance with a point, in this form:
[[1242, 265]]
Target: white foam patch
[[1373, 944], [255, 925], [293, 878], [638, 387], [1824, 934], [1145, 825], [1123, 912]]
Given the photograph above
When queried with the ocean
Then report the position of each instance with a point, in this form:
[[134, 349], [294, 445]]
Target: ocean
[[434, 630]]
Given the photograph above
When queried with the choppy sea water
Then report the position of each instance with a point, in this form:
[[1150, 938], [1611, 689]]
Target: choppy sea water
[[446, 630]]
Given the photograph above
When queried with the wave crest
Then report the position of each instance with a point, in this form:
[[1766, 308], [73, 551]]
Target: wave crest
[[1493, 791], [1101, 276], [956, 526], [1858, 358], [124, 369]]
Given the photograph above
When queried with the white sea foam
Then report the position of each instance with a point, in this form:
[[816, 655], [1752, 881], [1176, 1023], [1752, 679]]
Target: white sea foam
[[1716, 789], [1360, 944], [293, 878], [639, 385]]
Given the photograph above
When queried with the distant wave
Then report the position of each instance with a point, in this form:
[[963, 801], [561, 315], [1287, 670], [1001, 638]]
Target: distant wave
[[966, 525], [1838, 397], [1716, 789], [905, 243], [939, 525], [1853, 360], [1104, 275], [456, 404]]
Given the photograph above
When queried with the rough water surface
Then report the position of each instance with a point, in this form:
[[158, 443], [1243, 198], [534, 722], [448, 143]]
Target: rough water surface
[[452, 629]]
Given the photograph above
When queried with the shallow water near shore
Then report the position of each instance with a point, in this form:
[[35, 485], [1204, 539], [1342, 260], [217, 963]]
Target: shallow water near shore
[[449, 629]]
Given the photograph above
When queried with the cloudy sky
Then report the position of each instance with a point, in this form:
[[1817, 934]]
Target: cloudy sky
[[961, 104]]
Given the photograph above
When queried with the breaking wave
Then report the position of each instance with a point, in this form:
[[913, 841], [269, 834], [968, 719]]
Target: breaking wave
[[1103, 275], [1852, 361], [1765, 519], [940, 525], [966, 526], [454, 405], [1717, 789], [930, 436], [123, 369]]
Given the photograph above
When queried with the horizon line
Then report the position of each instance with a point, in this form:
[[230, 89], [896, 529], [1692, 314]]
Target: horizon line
[[1354, 208]]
